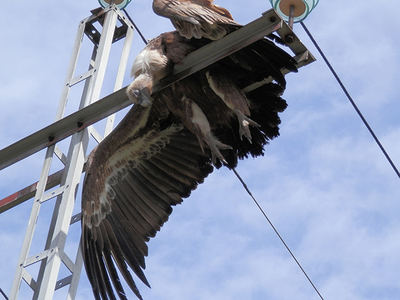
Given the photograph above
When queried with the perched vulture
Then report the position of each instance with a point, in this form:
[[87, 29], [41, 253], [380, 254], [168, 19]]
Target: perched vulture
[[196, 18], [167, 144], [199, 18]]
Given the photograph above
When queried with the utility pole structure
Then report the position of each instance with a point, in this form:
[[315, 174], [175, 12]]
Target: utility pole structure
[[115, 25]]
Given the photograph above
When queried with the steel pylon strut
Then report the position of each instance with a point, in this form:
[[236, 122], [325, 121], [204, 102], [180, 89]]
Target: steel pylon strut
[[115, 26]]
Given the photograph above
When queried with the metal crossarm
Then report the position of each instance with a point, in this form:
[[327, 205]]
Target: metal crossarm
[[194, 62], [67, 180]]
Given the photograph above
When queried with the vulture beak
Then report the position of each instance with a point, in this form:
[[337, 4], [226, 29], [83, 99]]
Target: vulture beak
[[139, 91], [142, 97]]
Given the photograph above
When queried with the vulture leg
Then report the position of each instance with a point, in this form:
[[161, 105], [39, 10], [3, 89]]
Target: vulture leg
[[234, 98], [201, 128], [196, 121], [244, 123]]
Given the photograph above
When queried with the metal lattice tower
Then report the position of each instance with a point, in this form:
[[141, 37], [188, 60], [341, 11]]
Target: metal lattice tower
[[115, 26]]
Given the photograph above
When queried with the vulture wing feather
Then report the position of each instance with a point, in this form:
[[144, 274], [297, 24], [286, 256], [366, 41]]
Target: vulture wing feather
[[151, 161], [131, 183]]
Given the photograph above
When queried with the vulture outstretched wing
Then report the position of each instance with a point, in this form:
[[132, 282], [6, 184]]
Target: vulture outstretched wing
[[133, 178], [158, 154], [196, 18]]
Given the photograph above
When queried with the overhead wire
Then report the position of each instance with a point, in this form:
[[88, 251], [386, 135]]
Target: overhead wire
[[369, 129], [351, 99], [4, 294], [277, 233], [134, 25]]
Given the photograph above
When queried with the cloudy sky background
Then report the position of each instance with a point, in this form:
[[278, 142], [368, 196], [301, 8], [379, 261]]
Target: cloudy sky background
[[323, 182]]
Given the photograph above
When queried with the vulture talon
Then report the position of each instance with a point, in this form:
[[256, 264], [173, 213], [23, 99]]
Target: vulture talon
[[244, 123], [215, 146]]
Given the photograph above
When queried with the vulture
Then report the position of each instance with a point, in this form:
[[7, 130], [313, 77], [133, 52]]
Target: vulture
[[168, 143], [196, 18], [200, 19]]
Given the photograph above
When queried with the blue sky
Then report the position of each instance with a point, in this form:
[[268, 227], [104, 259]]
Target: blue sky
[[323, 182]]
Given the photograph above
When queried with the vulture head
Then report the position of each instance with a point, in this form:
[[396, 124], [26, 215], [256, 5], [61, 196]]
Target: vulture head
[[148, 67], [140, 90]]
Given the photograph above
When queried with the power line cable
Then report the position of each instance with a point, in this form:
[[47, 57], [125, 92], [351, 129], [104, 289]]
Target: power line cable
[[4, 295], [351, 100], [134, 25], [277, 232]]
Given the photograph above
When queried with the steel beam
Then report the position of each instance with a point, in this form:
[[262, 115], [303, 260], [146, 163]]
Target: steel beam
[[119, 81], [118, 100], [28, 192]]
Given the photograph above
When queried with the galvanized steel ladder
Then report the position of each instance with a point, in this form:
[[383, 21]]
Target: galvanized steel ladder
[[115, 26]]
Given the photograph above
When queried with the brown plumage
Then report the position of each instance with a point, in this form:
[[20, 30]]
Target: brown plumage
[[165, 147], [234, 98], [196, 18], [154, 63]]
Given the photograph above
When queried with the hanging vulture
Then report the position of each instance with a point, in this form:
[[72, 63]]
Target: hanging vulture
[[196, 18], [167, 144]]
